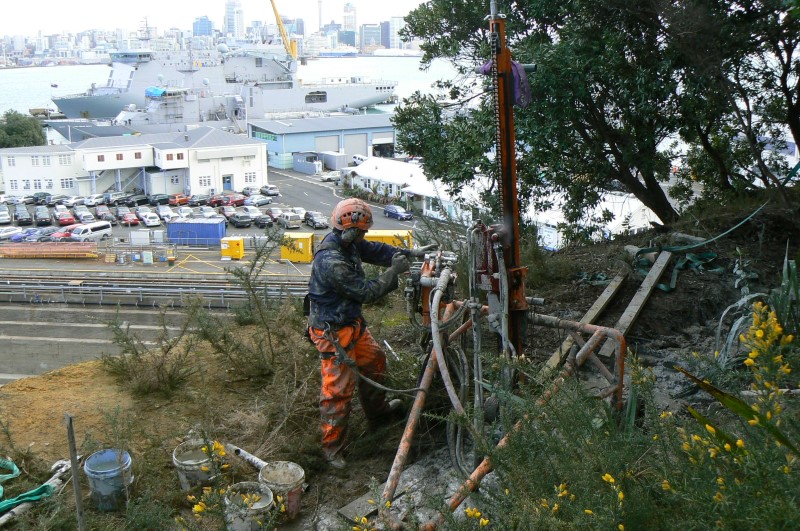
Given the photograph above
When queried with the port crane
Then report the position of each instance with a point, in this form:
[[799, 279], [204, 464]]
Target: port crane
[[289, 44]]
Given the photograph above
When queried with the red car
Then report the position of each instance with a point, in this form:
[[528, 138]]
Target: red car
[[227, 210], [65, 218], [227, 199], [66, 232], [129, 219]]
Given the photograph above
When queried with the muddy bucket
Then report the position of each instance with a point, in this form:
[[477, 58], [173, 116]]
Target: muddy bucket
[[109, 475], [189, 460], [285, 479], [247, 506]]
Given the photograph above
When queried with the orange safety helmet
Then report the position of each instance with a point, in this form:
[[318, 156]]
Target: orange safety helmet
[[352, 213]]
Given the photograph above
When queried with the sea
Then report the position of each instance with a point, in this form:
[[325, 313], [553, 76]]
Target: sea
[[27, 88]]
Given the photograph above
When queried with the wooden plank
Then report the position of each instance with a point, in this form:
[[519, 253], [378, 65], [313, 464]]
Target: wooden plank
[[589, 317], [638, 301]]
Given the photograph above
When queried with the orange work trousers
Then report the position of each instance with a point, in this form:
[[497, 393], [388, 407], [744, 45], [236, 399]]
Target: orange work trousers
[[339, 382]]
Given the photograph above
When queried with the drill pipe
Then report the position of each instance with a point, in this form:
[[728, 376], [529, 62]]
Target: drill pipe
[[598, 332]]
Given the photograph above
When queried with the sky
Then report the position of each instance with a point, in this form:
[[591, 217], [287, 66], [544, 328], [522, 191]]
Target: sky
[[63, 16]]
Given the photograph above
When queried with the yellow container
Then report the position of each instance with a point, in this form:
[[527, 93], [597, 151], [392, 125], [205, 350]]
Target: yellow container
[[298, 247], [232, 247], [398, 238]]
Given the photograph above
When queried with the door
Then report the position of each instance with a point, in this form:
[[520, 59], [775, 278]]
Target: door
[[227, 182]]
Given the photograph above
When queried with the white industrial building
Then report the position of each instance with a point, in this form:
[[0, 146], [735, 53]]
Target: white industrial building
[[202, 160]]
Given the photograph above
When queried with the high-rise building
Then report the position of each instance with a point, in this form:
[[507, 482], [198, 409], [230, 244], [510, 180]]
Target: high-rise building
[[203, 27], [395, 25], [370, 38], [385, 34], [234, 19], [349, 22]]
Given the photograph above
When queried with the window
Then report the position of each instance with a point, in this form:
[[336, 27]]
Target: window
[[224, 159], [170, 156], [37, 184], [175, 179], [11, 161], [68, 183], [101, 158], [205, 181], [46, 160], [119, 156], [13, 185], [65, 160], [35, 160], [48, 184], [250, 177], [137, 155], [180, 156], [26, 184]]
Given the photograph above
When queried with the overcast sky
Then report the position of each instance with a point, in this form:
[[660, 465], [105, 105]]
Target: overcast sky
[[57, 16]]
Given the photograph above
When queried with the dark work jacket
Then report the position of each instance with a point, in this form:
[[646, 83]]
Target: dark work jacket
[[338, 288]]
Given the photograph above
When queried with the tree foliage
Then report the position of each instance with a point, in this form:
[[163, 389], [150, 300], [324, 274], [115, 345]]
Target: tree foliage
[[18, 130], [623, 89]]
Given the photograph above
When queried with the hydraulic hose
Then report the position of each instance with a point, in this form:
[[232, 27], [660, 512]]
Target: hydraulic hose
[[438, 351]]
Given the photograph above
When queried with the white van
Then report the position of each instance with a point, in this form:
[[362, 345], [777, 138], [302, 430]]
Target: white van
[[99, 230], [358, 159]]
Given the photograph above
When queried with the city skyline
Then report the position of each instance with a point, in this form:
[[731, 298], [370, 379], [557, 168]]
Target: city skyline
[[53, 17]]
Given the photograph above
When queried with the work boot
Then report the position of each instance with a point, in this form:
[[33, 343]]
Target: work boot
[[394, 405], [338, 462]]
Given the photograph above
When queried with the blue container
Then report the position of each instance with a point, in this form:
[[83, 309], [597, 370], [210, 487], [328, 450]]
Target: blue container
[[202, 231], [109, 475]]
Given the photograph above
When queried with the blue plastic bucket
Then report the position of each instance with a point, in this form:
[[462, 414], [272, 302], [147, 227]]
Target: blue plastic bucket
[[109, 475]]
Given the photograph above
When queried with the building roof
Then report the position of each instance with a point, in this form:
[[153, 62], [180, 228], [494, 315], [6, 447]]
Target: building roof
[[201, 137], [37, 150], [325, 123]]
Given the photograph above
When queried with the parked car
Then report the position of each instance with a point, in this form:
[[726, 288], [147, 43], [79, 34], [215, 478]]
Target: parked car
[[20, 236], [43, 234], [158, 199], [258, 200], [227, 211], [397, 212], [86, 217], [316, 220], [102, 209], [205, 211], [40, 198], [178, 199], [300, 211], [23, 200], [63, 219], [251, 211], [94, 200], [185, 211], [107, 216], [129, 219], [290, 220], [114, 198], [73, 200], [198, 200], [8, 232], [263, 221], [41, 216], [22, 216], [227, 199], [240, 220], [136, 200], [5, 217], [270, 189], [331, 176], [79, 210], [150, 219], [250, 190], [273, 212], [122, 210], [165, 212], [142, 210], [53, 200], [64, 234]]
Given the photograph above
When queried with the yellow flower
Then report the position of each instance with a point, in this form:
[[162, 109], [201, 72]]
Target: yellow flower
[[588, 511], [204, 449], [283, 507], [608, 478], [655, 437], [191, 498], [199, 508], [621, 527], [225, 466], [753, 354], [786, 469], [686, 446], [759, 334], [665, 485], [484, 522], [206, 490], [749, 362], [388, 504], [713, 451], [727, 447], [720, 481], [204, 468], [507, 492], [364, 520], [753, 422], [696, 438], [711, 429], [620, 496], [718, 497], [555, 508], [665, 414], [739, 443]]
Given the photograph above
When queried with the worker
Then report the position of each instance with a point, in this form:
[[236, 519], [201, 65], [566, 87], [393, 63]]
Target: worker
[[336, 291]]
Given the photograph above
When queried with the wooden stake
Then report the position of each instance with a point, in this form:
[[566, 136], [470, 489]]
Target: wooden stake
[[73, 458]]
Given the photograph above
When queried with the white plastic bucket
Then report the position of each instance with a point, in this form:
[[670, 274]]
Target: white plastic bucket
[[189, 460], [241, 517], [109, 475], [284, 479]]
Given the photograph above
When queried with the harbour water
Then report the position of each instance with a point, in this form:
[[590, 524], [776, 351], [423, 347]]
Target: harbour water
[[22, 89]]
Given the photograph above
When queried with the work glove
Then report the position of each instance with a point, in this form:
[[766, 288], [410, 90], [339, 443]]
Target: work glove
[[400, 264], [420, 252]]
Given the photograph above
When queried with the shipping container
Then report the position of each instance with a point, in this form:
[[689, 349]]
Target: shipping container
[[299, 248], [398, 238], [196, 231]]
